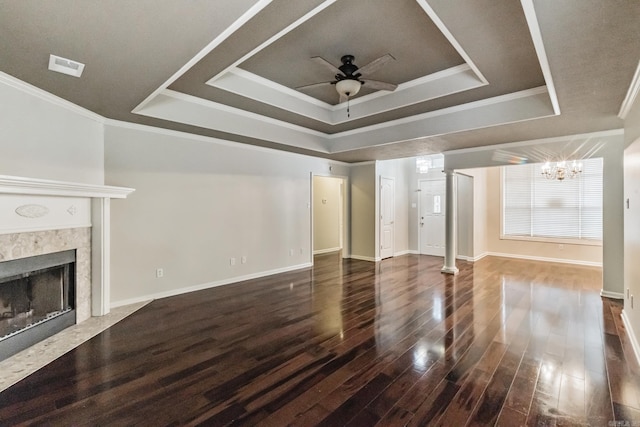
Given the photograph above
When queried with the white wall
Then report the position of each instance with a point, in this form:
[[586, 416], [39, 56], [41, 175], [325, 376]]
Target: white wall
[[199, 203], [39, 138], [327, 210]]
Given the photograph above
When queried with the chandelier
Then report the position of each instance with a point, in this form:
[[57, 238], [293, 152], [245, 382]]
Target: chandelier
[[561, 170]]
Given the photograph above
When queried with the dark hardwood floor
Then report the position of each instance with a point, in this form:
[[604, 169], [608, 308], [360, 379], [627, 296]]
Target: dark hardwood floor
[[354, 343]]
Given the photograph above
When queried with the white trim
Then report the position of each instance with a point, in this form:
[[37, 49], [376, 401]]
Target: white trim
[[364, 258], [247, 75], [631, 334], [276, 36], [439, 84], [444, 111], [243, 19], [233, 110], [452, 40], [524, 143], [45, 187], [536, 37], [101, 257], [208, 285], [326, 251], [613, 295], [478, 257], [632, 94], [545, 259], [48, 97], [406, 252]]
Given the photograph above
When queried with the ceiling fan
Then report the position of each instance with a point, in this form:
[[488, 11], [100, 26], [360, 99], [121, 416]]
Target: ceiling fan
[[348, 77]]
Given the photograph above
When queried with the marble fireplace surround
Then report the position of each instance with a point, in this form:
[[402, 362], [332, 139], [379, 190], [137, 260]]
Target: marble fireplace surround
[[42, 216]]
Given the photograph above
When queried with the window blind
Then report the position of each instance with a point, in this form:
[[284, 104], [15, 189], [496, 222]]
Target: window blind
[[534, 206]]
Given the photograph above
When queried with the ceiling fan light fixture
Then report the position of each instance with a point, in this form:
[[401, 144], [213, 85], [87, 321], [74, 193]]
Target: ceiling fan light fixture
[[348, 87]]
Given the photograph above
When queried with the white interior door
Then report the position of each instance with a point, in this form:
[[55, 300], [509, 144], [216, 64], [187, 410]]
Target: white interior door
[[387, 216], [432, 217]]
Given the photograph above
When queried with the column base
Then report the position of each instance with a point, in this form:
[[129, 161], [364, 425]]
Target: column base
[[450, 270]]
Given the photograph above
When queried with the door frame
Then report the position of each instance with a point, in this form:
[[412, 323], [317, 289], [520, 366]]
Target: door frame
[[393, 207], [344, 214], [420, 208]]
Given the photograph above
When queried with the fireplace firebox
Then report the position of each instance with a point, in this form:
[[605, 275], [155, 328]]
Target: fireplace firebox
[[37, 299]]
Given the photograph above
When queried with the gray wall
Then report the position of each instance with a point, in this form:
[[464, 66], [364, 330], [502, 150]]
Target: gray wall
[[199, 203], [327, 209], [363, 211]]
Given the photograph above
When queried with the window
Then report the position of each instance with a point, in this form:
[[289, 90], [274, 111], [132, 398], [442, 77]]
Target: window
[[537, 208]]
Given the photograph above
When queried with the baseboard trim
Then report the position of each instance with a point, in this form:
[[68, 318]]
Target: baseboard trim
[[229, 281], [479, 257], [364, 258], [613, 295], [544, 259], [326, 251], [407, 252], [631, 334]]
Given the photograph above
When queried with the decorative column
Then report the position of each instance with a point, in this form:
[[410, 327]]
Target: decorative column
[[450, 224]]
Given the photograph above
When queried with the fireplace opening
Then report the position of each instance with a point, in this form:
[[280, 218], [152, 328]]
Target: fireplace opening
[[37, 299]]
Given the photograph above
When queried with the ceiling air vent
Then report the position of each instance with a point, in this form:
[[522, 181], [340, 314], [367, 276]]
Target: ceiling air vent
[[65, 66]]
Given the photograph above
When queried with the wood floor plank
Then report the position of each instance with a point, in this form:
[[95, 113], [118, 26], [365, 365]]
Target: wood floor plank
[[354, 343]]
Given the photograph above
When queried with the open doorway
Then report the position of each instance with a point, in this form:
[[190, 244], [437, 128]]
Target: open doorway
[[329, 215]]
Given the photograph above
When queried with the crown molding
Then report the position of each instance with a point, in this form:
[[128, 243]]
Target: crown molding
[[48, 97], [536, 37], [632, 94]]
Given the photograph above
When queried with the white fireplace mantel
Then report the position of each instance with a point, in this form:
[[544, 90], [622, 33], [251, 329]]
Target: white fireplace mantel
[[45, 187], [98, 205]]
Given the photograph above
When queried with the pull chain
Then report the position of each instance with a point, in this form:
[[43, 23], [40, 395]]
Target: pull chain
[[348, 113]]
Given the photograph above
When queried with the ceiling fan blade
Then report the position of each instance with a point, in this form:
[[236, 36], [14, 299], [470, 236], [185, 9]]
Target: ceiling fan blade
[[377, 85], [327, 64], [313, 85], [343, 98], [375, 65]]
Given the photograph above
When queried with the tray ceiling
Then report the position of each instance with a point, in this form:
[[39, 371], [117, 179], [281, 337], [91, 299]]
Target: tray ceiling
[[468, 73]]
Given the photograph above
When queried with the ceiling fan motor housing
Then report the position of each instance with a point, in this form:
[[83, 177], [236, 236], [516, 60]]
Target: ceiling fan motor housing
[[348, 68]]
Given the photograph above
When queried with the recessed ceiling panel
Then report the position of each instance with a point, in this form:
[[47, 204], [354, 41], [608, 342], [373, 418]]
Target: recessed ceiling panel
[[366, 29]]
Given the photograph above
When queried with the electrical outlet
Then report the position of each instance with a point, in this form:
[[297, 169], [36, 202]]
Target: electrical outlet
[[232, 261], [243, 260], [290, 252], [301, 251], [159, 272]]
